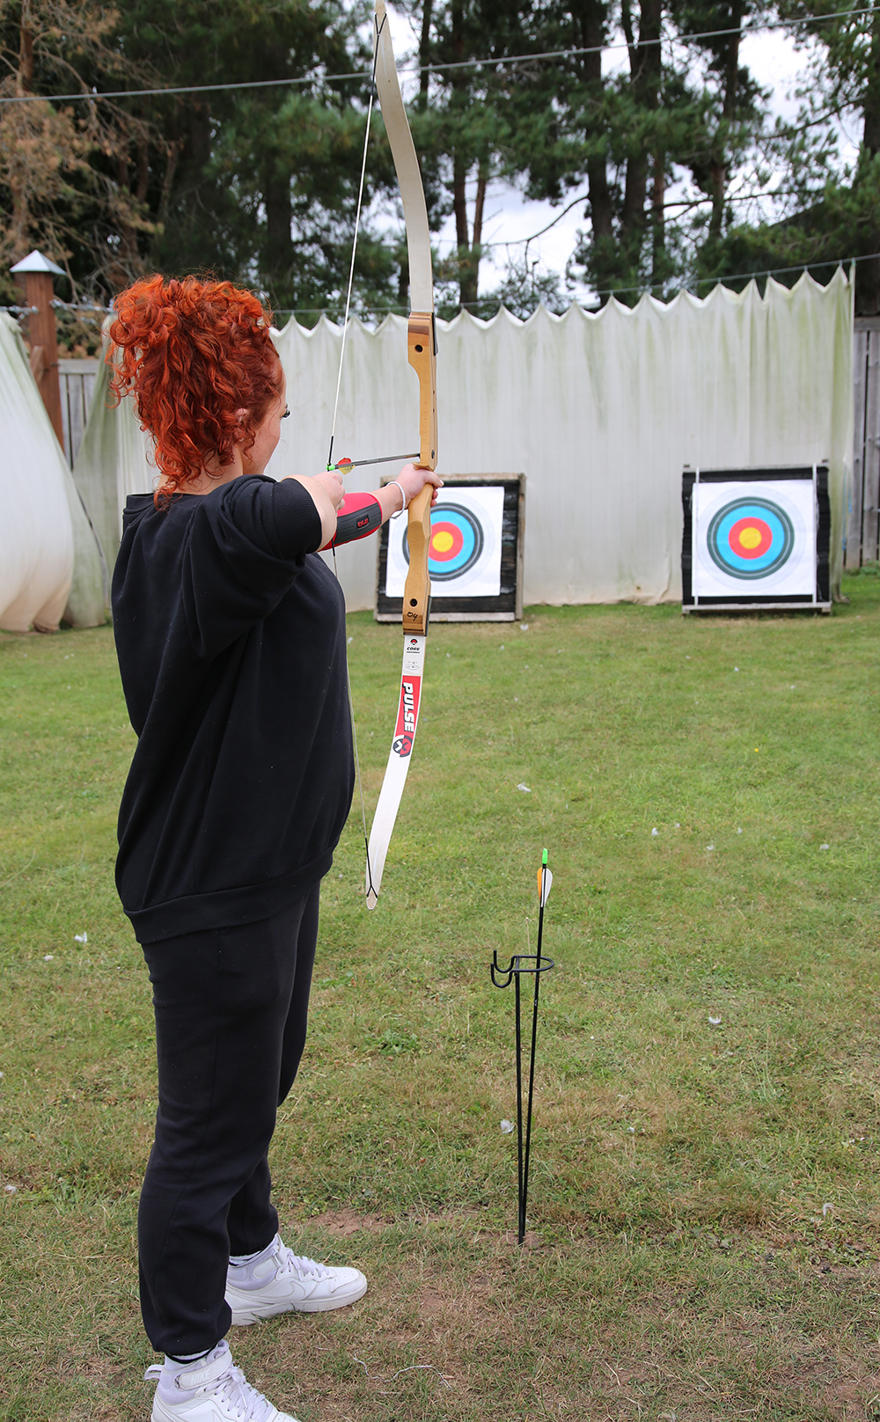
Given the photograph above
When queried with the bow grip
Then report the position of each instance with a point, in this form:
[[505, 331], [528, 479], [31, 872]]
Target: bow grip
[[417, 588]]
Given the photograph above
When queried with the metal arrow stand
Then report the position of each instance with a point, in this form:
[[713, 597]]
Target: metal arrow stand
[[534, 964]]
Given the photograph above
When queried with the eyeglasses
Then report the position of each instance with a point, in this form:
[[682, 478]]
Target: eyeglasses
[[286, 412]]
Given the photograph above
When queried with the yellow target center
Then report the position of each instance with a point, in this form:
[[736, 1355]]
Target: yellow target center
[[750, 537], [443, 542]]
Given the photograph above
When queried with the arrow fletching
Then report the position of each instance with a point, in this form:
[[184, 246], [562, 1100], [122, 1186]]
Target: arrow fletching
[[545, 881]]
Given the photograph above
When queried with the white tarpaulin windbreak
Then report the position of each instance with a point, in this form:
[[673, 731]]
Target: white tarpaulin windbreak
[[112, 462], [599, 411], [50, 563]]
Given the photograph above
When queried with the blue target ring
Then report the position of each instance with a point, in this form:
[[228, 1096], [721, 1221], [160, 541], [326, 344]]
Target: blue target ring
[[750, 538], [457, 542]]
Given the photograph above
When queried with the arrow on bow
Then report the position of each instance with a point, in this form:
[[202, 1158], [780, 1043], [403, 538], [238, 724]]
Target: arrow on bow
[[422, 355]]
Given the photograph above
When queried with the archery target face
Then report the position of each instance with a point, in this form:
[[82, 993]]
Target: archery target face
[[464, 557], [754, 538]]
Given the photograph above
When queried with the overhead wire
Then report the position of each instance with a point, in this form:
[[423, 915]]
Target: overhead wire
[[496, 61]]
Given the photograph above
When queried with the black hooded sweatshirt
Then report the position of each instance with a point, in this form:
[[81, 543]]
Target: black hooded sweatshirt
[[230, 634]]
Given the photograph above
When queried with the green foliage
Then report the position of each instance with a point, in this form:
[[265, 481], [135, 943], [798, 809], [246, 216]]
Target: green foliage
[[670, 150], [265, 180], [831, 209], [63, 167]]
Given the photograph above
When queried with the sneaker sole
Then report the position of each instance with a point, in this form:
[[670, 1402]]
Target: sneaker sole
[[168, 1414], [244, 1313]]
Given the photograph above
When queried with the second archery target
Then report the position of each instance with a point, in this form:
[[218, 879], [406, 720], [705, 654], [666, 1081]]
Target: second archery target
[[755, 537]]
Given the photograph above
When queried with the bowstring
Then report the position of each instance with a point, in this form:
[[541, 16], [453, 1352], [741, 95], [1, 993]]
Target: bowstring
[[357, 224], [345, 326]]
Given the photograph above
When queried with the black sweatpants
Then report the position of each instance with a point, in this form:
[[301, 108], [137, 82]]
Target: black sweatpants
[[231, 1007]]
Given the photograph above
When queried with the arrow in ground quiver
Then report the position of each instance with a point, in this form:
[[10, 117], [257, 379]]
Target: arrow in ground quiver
[[422, 355], [536, 964]]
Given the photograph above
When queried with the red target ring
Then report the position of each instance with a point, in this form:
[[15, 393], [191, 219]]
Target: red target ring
[[750, 537], [447, 541]]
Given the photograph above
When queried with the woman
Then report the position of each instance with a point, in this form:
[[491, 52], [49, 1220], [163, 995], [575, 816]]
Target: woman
[[230, 636]]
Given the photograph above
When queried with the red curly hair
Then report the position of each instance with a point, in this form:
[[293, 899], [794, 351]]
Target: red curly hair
[[195, 354]]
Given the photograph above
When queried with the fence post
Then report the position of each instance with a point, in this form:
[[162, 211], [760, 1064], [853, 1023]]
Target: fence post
[[38, 273]]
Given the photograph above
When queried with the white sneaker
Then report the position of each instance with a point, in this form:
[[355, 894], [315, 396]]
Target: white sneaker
[[278, 1281], [211, 1390]]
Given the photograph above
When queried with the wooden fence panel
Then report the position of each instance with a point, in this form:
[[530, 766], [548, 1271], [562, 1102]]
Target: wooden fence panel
[[853, 555], [77, 379], [863, 527]]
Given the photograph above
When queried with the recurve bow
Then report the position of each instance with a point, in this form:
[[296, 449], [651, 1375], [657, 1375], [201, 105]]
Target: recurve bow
[[422, 356]]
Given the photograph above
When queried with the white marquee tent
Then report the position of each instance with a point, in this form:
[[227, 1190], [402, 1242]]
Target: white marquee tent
[[50, 561]]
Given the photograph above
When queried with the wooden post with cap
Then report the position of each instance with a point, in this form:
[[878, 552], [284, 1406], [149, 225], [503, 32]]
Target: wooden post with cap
[[37, 274]]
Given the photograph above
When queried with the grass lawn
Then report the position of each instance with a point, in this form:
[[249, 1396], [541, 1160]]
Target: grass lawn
[[704, 1211]]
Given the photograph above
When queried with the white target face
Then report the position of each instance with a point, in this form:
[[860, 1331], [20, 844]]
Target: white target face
[[755, 537], [464, 555]]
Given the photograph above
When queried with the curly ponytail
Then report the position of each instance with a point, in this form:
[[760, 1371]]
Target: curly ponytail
[[194, 354]]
